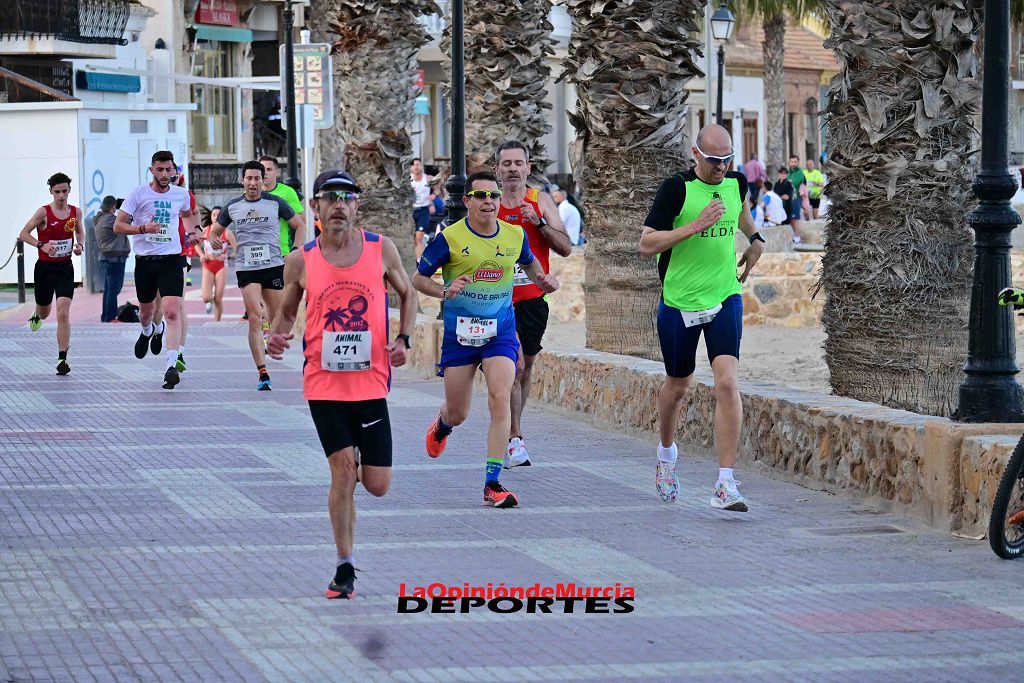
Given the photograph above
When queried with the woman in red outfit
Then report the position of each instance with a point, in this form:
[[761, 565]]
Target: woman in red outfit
[[215, 272]]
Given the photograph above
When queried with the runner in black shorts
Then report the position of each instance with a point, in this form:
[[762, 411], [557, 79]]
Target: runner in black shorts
[[161, 275], [339, 425], [59, 234], [150, 213], [257, 217], [531, 323], [266, 278], [537, 214], [346, 376]]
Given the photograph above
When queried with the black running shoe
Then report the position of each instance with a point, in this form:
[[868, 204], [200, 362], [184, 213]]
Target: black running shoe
[[142, 345], [62, 367], [343, 586], [171, 378], [156, 344]]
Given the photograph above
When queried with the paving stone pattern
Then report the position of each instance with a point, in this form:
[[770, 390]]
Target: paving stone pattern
[[159, 536]]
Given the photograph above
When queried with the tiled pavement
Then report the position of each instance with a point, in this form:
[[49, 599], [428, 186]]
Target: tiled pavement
[[154, 535]]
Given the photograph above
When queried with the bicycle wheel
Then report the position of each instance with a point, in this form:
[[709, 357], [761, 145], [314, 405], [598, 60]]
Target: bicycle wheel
[[1006, 525]]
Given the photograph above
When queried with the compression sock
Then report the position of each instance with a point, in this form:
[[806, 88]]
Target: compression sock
[[493, 469]]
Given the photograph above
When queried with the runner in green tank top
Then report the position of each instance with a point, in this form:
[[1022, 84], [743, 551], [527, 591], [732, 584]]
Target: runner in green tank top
[[692, 228]]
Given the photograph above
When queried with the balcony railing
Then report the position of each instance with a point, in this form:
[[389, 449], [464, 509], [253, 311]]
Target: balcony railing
[[219, 176], [35, 82], [77, 21]]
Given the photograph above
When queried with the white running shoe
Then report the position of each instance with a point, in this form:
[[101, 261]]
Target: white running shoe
[[209, 308], [728, 497], [516, 456], [666, 481]]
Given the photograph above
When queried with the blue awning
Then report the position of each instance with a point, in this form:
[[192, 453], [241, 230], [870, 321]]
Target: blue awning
[[103, 82], [227, 34]]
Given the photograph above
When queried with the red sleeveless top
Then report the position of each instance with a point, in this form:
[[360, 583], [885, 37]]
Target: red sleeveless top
[[346, 326], [60, 232], [523, 288]]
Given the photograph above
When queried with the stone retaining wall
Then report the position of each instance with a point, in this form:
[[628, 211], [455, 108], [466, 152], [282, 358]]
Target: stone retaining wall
[[941, 472]]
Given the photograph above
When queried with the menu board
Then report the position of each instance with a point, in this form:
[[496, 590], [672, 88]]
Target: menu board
[[313, 81]]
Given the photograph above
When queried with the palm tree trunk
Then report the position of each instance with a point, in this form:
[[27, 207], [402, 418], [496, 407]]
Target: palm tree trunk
[[508, 47], [630, 64], [898, 253], [375, 62], [774, 48]]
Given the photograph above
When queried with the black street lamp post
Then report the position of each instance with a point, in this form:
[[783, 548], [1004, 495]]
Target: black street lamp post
[[456, 185], [721, 78], [990, 393], [288, 15], [722, 22]]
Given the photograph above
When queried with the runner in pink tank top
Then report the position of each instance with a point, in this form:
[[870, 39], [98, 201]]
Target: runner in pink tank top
[[348, 357]]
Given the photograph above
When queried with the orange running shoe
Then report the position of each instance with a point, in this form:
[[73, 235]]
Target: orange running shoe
[[435, 446], [496, 495]]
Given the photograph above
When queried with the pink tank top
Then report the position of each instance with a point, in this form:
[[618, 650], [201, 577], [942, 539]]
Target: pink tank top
[[346, 326]]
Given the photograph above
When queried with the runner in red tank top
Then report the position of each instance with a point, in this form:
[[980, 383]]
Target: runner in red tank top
[[347, 373], [537, 213], [59, 234]]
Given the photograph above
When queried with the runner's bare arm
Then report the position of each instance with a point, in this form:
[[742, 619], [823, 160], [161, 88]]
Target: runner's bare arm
[[38, 219], [298, 224], [123, 225], [746, 222], [752, 254], [654, 241], [553, 230], [79, 232], [284, 322], [190, 217], [547, 283], [399, 280]]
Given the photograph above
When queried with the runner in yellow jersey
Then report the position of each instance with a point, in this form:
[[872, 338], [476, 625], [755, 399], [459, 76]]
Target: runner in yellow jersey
[[478, 256]]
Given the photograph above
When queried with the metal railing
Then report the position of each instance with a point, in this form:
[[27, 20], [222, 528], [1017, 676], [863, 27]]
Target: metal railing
[[268, 141], [35, 83], [208, 176], [77, 21]]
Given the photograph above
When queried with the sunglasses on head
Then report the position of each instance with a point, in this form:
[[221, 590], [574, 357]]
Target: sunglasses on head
[[484, 194], [716, 161], [338, 196]]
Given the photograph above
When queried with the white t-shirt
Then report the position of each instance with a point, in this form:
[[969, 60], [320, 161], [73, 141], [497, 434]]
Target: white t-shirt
[[774, 211], [570, 216], [145, 205], [422, 189]]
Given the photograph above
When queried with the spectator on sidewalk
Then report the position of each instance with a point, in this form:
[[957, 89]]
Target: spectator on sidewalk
[[795, 175], [815, 184], [569, 214], [756, 177], [785, 190], [773, 206], [114, 250], [423, 204]]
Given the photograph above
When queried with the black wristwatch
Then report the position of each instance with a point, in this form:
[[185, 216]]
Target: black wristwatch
[[756, 236], [405, 338]]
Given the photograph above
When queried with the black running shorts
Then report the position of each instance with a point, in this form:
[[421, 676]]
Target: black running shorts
[[531, 323], [54, 277], [266, 278], [362, 424], [161, 274]]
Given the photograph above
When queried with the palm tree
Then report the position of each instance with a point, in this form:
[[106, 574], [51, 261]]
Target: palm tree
[[507, 48], [630, 63], [773, 14], [376, 44], [898, 256]]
